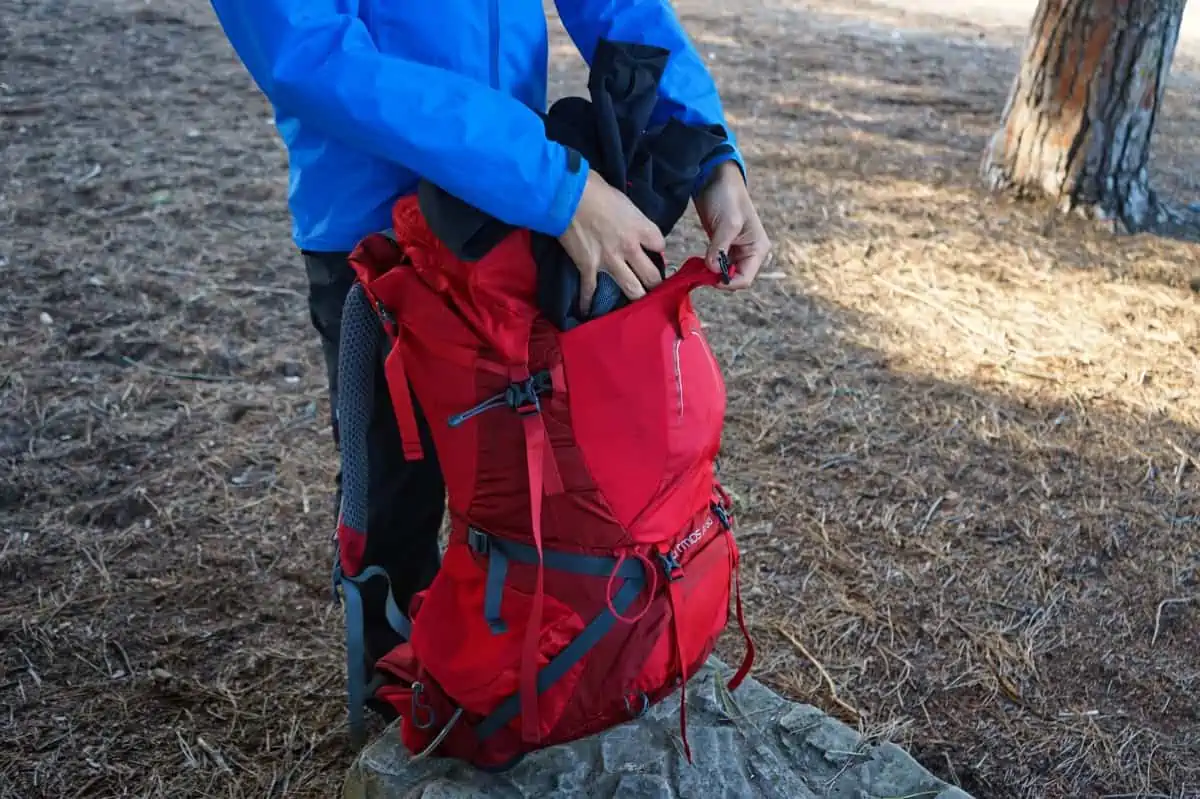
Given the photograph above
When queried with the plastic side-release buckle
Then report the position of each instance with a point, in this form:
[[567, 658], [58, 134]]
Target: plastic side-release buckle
[[722, 514], [524, 397], [672, 568], [478, 541]]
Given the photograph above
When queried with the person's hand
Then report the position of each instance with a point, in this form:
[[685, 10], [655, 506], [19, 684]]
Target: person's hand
[[732, 225], [609, 234]]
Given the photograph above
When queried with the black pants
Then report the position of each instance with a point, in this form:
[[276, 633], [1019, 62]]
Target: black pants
[[406, 500]]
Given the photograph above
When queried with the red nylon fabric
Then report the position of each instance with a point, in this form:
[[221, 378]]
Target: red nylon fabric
[[352, 544], [402, 405], [616, 461]]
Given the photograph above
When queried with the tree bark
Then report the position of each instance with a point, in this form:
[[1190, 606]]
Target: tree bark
[[1081, 111]]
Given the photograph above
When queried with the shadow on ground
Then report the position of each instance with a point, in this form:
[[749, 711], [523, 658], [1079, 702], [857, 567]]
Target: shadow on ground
[[981, 576]]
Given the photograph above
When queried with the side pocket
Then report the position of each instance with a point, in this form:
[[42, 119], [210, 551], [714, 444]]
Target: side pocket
[[477, 668], [701, 600]]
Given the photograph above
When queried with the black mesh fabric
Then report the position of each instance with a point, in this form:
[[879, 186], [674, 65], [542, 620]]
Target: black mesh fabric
[[358, 357]]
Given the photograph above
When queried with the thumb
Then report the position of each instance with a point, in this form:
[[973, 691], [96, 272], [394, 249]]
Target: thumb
[[721, 241]]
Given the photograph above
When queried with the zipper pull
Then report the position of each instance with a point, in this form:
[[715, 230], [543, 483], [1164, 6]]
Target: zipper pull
[[524, 398], [459, 419], [723, 262]]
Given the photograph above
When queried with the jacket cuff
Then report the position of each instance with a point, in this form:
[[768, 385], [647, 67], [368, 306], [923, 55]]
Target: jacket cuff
[[726, 152], [567, 193]]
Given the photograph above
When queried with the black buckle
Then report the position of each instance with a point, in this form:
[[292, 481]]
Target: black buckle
[[671, 567], [722, 516], [524, 397], [723, 263], [478, 541]]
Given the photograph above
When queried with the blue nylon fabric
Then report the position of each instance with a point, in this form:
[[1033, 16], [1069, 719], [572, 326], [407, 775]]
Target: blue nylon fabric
[[370, 94], [356, 649], [494, 590], [356, 658], [395, 617], [588, 565]]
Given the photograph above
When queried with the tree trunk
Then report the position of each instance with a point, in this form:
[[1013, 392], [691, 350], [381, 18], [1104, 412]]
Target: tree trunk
[[1079, 118]]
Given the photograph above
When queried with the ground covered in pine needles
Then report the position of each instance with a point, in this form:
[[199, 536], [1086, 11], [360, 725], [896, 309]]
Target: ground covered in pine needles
[[964, 433]]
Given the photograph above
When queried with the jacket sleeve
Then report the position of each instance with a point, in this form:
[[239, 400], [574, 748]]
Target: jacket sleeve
[[319, 66], [687, 91]]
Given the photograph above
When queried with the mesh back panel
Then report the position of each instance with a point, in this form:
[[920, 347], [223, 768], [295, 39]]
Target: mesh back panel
[[361, 338], [608, 295]]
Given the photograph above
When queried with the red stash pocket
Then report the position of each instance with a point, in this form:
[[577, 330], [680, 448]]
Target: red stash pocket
[[702, 599], [618, 424], [477, 668], [647, 405]]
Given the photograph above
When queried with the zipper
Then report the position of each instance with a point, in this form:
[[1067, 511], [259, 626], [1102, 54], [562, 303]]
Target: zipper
[[494, 42], [709, 357], [679, 375]]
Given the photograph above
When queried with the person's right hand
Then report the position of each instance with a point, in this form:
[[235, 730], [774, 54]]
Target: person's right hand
[[610, 234]]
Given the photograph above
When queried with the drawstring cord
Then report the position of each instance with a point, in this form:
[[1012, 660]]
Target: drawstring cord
[[608, 593]]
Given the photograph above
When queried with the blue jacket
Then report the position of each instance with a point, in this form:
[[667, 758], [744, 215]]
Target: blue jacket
[[370, 94]]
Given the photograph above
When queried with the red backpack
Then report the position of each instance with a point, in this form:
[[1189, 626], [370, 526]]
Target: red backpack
[[591, 557]]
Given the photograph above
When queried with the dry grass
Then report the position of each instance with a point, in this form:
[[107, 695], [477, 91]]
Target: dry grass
[[963, 433]]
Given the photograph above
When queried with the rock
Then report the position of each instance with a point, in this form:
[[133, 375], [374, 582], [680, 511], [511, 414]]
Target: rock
[[763, 746]]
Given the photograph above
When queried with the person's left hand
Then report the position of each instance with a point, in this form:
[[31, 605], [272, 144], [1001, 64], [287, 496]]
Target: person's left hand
[[728, 216]]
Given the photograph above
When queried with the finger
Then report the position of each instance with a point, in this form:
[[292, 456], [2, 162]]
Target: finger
[[652, 238], [587, 290], [747, 270], [725, 232], [647, 273], [625, 278], [749, 256], [749, 262]]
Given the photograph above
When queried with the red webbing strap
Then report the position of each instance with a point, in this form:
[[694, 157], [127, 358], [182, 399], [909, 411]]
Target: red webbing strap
[[735, 565], [748, 660], [687, 749], [535, 459], [558, 379], [402, 406], [552, 479], [544, 478]]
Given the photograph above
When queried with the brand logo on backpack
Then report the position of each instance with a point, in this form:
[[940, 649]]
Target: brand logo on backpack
[[693, 538]]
